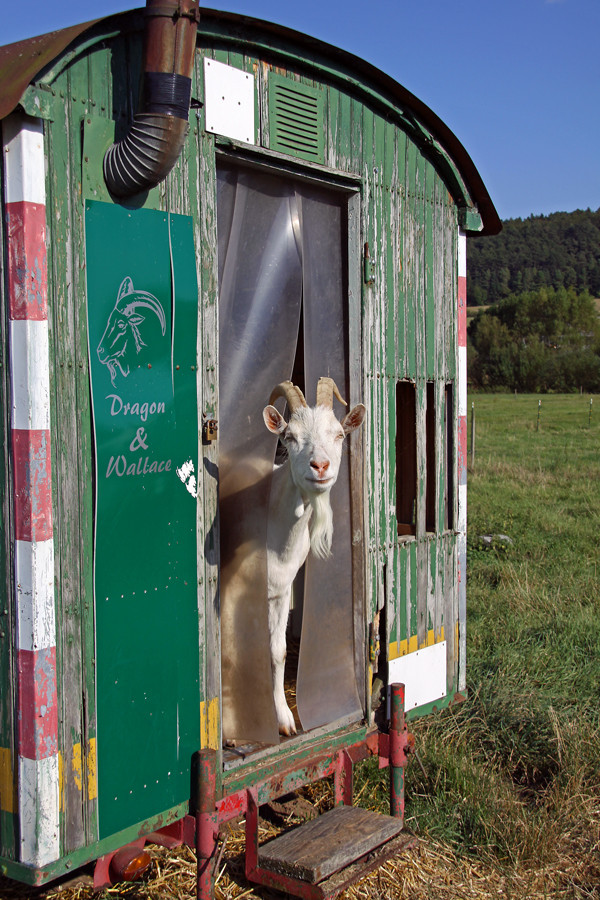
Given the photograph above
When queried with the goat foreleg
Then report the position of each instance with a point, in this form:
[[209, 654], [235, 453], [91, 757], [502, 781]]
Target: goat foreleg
[[279, 608]]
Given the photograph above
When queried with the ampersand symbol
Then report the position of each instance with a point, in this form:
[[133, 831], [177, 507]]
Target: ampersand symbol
[[139, 441]]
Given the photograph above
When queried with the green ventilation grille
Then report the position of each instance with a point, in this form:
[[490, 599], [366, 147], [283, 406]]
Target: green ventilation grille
[[296, 124]]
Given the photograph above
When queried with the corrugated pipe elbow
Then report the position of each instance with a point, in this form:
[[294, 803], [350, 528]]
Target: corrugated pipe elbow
[[154, 141], [146, 154]]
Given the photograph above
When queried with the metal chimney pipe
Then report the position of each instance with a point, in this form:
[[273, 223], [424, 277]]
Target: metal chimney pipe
[[153, 143]]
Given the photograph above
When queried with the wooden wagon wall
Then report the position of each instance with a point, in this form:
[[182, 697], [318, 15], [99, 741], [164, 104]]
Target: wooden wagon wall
[[410, 222]]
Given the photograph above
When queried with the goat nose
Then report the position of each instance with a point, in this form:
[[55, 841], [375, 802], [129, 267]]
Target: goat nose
[[319, 467]]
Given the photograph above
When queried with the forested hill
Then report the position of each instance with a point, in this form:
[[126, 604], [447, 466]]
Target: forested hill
[[561, 249]]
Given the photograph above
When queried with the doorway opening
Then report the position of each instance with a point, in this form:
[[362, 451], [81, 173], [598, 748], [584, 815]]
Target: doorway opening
[[283, 315]]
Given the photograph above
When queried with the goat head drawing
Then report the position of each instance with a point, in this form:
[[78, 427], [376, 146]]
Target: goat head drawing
[[123, 333]]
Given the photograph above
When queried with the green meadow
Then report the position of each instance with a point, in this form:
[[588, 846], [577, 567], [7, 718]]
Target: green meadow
[[511, 776]]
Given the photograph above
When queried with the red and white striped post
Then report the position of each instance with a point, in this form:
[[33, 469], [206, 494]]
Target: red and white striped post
[[37, 734], [462, 456]]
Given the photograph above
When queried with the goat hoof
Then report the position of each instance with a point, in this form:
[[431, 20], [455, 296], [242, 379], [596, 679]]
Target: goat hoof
[[287, 731], [287, 725]]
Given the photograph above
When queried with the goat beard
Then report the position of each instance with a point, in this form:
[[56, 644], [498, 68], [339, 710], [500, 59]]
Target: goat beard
[[321, 525]]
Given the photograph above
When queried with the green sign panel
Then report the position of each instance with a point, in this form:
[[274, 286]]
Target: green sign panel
[[142, 324]]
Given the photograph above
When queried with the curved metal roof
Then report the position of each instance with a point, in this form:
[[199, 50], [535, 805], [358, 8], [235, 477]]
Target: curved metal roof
[[21, 62]]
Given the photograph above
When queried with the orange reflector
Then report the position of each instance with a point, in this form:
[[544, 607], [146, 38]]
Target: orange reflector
[[129, 864]]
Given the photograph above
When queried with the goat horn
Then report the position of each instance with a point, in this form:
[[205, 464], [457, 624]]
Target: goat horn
[[293, 395], [326, 388]]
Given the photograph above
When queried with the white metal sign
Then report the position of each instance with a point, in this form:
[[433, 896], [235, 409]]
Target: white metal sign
[[229, 101], [423, 674]]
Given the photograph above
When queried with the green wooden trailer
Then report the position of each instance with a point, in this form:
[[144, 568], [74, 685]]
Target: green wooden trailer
[[158, 280]]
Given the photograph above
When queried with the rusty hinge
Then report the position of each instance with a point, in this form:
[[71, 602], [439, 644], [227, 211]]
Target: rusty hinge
[[368, 266]]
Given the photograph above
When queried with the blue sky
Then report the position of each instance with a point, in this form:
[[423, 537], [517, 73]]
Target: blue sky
[[518, 81]]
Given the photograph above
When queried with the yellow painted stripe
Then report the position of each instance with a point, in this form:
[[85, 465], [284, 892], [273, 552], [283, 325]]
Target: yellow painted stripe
[[61, 783], [401, 648], [91, 770], [76, 766], [77, 772], [209, 723], [7, 781]]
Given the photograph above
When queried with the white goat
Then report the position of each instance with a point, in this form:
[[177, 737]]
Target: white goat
[[300, 517]]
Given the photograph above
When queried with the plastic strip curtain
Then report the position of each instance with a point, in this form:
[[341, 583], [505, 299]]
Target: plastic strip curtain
[[326, 686], [264, 222]]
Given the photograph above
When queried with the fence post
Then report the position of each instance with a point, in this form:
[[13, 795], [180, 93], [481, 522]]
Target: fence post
[[472, 434]]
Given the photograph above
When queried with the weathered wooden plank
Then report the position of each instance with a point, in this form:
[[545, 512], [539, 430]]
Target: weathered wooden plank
[[220, 54], [441, 301], [398, 226], [208, 343], [263, 90], [432, 585], [380, 299], [339, 130], [451, 289], [362, 132], [251, 65], [432, 297], [63, 245], [451, 615], [411, 260], [332, 104], [100, 79], [328, 843], [412, 593], [83, 756], [357, 441]]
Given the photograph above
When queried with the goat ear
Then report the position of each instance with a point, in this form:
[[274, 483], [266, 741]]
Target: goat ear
[[126, 288], [354, 419], [274, 420]]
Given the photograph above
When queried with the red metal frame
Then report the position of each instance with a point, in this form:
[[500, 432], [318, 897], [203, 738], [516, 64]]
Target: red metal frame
[[392, 750], [202, 831]]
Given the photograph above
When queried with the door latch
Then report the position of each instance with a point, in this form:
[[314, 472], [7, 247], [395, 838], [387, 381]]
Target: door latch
[[209, 430]]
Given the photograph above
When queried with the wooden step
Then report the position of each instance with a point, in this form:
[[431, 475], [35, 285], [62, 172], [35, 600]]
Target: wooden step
[[332, 842]]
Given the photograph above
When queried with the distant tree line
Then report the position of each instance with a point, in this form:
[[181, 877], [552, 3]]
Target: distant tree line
[[554, 251], [545, 340]]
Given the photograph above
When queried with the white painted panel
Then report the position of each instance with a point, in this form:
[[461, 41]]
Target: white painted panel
[[229, 101], [30, 374], [38, 810], [462, 255], [461, 525], [34, 585], [423, 674], [23, 150], [462, 381]]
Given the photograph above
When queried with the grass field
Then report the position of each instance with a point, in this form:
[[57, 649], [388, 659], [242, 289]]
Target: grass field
[[511, 777], [505, 793]]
